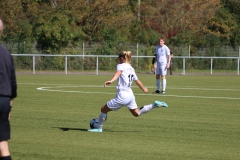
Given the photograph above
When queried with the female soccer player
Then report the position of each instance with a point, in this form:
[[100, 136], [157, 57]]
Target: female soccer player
[[163, 59], [124, 97]]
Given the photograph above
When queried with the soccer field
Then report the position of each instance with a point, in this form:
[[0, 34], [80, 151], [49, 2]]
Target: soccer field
[[51, 115]]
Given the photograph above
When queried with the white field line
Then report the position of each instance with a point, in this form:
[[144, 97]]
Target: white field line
[[56, 89], [216, 88]]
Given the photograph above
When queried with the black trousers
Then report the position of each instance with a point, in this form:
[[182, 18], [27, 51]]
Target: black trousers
[[4, 121], [171, 68]]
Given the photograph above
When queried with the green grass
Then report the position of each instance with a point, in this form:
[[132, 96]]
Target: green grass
[[202, 121]]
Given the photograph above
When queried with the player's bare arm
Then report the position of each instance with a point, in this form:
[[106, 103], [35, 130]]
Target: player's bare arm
[[140, 85], [115, 77], [169, 61]]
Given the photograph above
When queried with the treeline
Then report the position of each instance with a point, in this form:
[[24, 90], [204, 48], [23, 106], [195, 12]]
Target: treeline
[[54, 25]]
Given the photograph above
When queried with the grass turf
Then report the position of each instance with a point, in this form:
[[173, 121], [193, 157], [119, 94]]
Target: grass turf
[[202, 121]]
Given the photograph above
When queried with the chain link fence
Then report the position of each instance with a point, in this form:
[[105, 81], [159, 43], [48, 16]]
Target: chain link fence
[[137, 50], [97, 64]]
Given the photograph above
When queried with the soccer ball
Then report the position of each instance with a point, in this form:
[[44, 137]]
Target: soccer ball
[[94, 123]]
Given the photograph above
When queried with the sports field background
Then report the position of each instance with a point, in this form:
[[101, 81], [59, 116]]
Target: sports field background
[[51, 115]]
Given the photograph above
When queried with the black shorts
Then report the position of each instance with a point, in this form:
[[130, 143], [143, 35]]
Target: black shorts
[[4, 121]]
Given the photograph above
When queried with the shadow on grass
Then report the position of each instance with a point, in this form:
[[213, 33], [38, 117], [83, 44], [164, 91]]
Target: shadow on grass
[[73, 129], [119, 131], [85, 130]]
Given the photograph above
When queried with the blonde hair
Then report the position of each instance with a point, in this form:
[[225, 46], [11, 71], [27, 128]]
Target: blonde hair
[[1, 27], [127, 55]]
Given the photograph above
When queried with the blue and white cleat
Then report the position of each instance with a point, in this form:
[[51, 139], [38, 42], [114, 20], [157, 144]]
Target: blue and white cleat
[[159, 104], [95, 130]]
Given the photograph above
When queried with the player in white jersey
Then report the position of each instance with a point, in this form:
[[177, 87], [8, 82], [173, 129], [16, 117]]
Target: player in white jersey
[[124, 97], [163, 60]]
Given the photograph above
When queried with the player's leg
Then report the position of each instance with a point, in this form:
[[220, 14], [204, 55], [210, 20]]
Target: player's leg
[[132, 105], [134, 112], [157, 82], [164, 81], [4, 150], [4, 128], [103, 115], [101, 119], [112, 105], [144, 109]]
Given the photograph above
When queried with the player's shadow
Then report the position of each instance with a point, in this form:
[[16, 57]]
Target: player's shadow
[[85, 130], [119, 131], [73, 129]]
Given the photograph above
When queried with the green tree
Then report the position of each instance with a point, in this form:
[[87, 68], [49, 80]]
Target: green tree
[[233, 6], [55, 28], [173, 17], [96, 15], [16, 24], [225, 25]]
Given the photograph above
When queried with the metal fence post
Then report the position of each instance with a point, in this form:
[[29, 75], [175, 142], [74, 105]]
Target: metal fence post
[[66, 69], [238, 65], [211, 65], [183, 66], [33, 64], [97, 66]]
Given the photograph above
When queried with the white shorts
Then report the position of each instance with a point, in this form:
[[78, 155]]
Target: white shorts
[[123, 98], [161, 69]]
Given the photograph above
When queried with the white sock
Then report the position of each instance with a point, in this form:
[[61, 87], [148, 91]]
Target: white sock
[[145, 109], [101, 119], [158, 84], [164, 84]]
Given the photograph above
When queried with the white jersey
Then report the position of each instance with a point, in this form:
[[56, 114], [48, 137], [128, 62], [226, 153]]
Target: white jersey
[[124, 95], [162, 53], [127, 77]]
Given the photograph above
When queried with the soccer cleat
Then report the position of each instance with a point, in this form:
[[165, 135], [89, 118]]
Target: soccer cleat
[[95, 130], [163, 92], [159, 104], [157, 91]]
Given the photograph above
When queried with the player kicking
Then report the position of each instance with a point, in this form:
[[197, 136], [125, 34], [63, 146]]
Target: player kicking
[[124, 97]]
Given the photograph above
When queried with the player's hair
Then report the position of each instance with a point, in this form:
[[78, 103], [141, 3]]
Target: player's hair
[[1, 27], [127, 55], [160, 38]]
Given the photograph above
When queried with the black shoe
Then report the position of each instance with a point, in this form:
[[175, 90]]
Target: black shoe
[[157, 91], [163, 92]]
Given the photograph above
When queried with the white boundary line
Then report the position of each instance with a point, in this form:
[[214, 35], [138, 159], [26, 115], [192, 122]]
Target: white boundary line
[[94, 86], [99, 86]]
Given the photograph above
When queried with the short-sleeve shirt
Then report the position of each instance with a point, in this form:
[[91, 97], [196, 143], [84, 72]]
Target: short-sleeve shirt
[[127, 77], [162, 53]]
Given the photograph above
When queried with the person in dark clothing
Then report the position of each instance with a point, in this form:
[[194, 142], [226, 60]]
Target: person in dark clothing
[[154, 64], [8, 91], [171, 67]]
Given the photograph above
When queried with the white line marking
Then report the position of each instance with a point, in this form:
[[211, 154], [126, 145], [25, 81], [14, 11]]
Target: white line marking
[[86, 86], [175, 88]]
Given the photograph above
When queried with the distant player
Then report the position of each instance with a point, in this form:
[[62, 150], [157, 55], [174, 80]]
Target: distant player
[[171, 63], [125, 75], [163, 60]]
